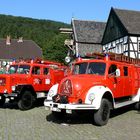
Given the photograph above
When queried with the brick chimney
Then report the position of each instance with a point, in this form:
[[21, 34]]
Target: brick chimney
[[8, 40], [20, 40]]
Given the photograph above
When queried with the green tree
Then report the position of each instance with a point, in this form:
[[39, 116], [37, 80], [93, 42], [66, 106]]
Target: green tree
[[55, 49], [44, 32]]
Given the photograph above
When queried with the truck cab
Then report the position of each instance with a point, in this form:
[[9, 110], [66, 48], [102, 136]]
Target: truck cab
[[27, 81], [97, 85]]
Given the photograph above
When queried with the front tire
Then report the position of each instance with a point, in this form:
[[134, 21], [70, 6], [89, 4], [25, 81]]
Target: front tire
[[101, 116], [26, 101], [2, 100], [137, 106]]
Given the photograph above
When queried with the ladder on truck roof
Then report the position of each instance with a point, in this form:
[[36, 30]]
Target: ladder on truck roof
[[40, 61], [115, 57]]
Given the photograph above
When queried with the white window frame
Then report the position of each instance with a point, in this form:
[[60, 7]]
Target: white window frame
[[138, 45]]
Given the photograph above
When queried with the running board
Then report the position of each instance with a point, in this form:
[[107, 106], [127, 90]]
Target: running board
[[121, 104]]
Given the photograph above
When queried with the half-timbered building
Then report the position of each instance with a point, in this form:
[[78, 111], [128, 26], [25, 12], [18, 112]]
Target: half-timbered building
[[122, 33]]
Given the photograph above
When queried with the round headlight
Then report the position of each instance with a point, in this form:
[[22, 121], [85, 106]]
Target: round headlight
[[91, 97], [4, 63], [67, 59], [51, 93]]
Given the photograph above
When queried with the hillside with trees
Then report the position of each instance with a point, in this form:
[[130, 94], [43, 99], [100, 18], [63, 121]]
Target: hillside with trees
[[44, 32]]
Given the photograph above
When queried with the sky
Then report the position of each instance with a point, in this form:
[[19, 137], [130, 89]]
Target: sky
[[64, 10]]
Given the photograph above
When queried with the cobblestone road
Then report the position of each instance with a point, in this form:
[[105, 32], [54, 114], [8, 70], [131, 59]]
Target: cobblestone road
[[38, 124]]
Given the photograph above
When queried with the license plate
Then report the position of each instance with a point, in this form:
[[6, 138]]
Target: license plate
[[68, 111], [56, 109]]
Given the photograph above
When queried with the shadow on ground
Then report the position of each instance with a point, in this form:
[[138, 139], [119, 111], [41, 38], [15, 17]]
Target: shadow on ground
[[71, 118], [13, 105], [86, 117]]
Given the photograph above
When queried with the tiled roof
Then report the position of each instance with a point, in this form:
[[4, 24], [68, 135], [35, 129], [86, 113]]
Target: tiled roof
[[88, 31], [130, 19], [26, 49]]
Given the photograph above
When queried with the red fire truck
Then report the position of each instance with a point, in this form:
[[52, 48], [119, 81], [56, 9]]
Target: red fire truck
[[97, 85], [28, 80]]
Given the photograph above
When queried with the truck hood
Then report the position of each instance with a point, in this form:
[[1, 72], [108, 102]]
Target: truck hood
[[81, 83]]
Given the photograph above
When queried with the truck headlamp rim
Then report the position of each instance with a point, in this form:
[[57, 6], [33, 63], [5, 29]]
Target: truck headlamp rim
[[91, 96], [51, 93]]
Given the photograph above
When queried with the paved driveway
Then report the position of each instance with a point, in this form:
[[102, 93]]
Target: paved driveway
[[39, 124]]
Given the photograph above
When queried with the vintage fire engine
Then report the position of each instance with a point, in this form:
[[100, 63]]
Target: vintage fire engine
[[97, 85], [28, 80]]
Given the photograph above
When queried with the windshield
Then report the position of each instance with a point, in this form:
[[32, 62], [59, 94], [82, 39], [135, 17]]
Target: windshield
[[23, 69], [12, 69], [91, 68], [96, 68], [80, 68]]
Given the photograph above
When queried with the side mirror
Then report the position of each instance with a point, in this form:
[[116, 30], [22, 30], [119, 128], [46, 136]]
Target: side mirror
[[118, 73]]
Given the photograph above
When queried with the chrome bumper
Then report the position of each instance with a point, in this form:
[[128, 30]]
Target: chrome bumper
[[50, 105]]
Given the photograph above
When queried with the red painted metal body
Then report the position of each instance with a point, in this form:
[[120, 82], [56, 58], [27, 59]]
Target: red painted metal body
[[97, 85], [127, 84], [41, 76]]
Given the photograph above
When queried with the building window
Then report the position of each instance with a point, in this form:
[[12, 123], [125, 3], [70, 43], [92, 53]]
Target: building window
[[139, 46], [117, 48]]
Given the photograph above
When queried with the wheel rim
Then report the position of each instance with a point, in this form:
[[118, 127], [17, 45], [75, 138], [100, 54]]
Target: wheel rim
[[27, 101]]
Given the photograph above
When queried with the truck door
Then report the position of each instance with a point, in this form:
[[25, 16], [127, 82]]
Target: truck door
[[127, 79], [36, 78], [46, 79], [115, 83]]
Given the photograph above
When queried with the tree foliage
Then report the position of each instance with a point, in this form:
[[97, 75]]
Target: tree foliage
[[55, 50], [44, 32]]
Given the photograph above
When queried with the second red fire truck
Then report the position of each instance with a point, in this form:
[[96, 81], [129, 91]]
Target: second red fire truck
[[28, 80]]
